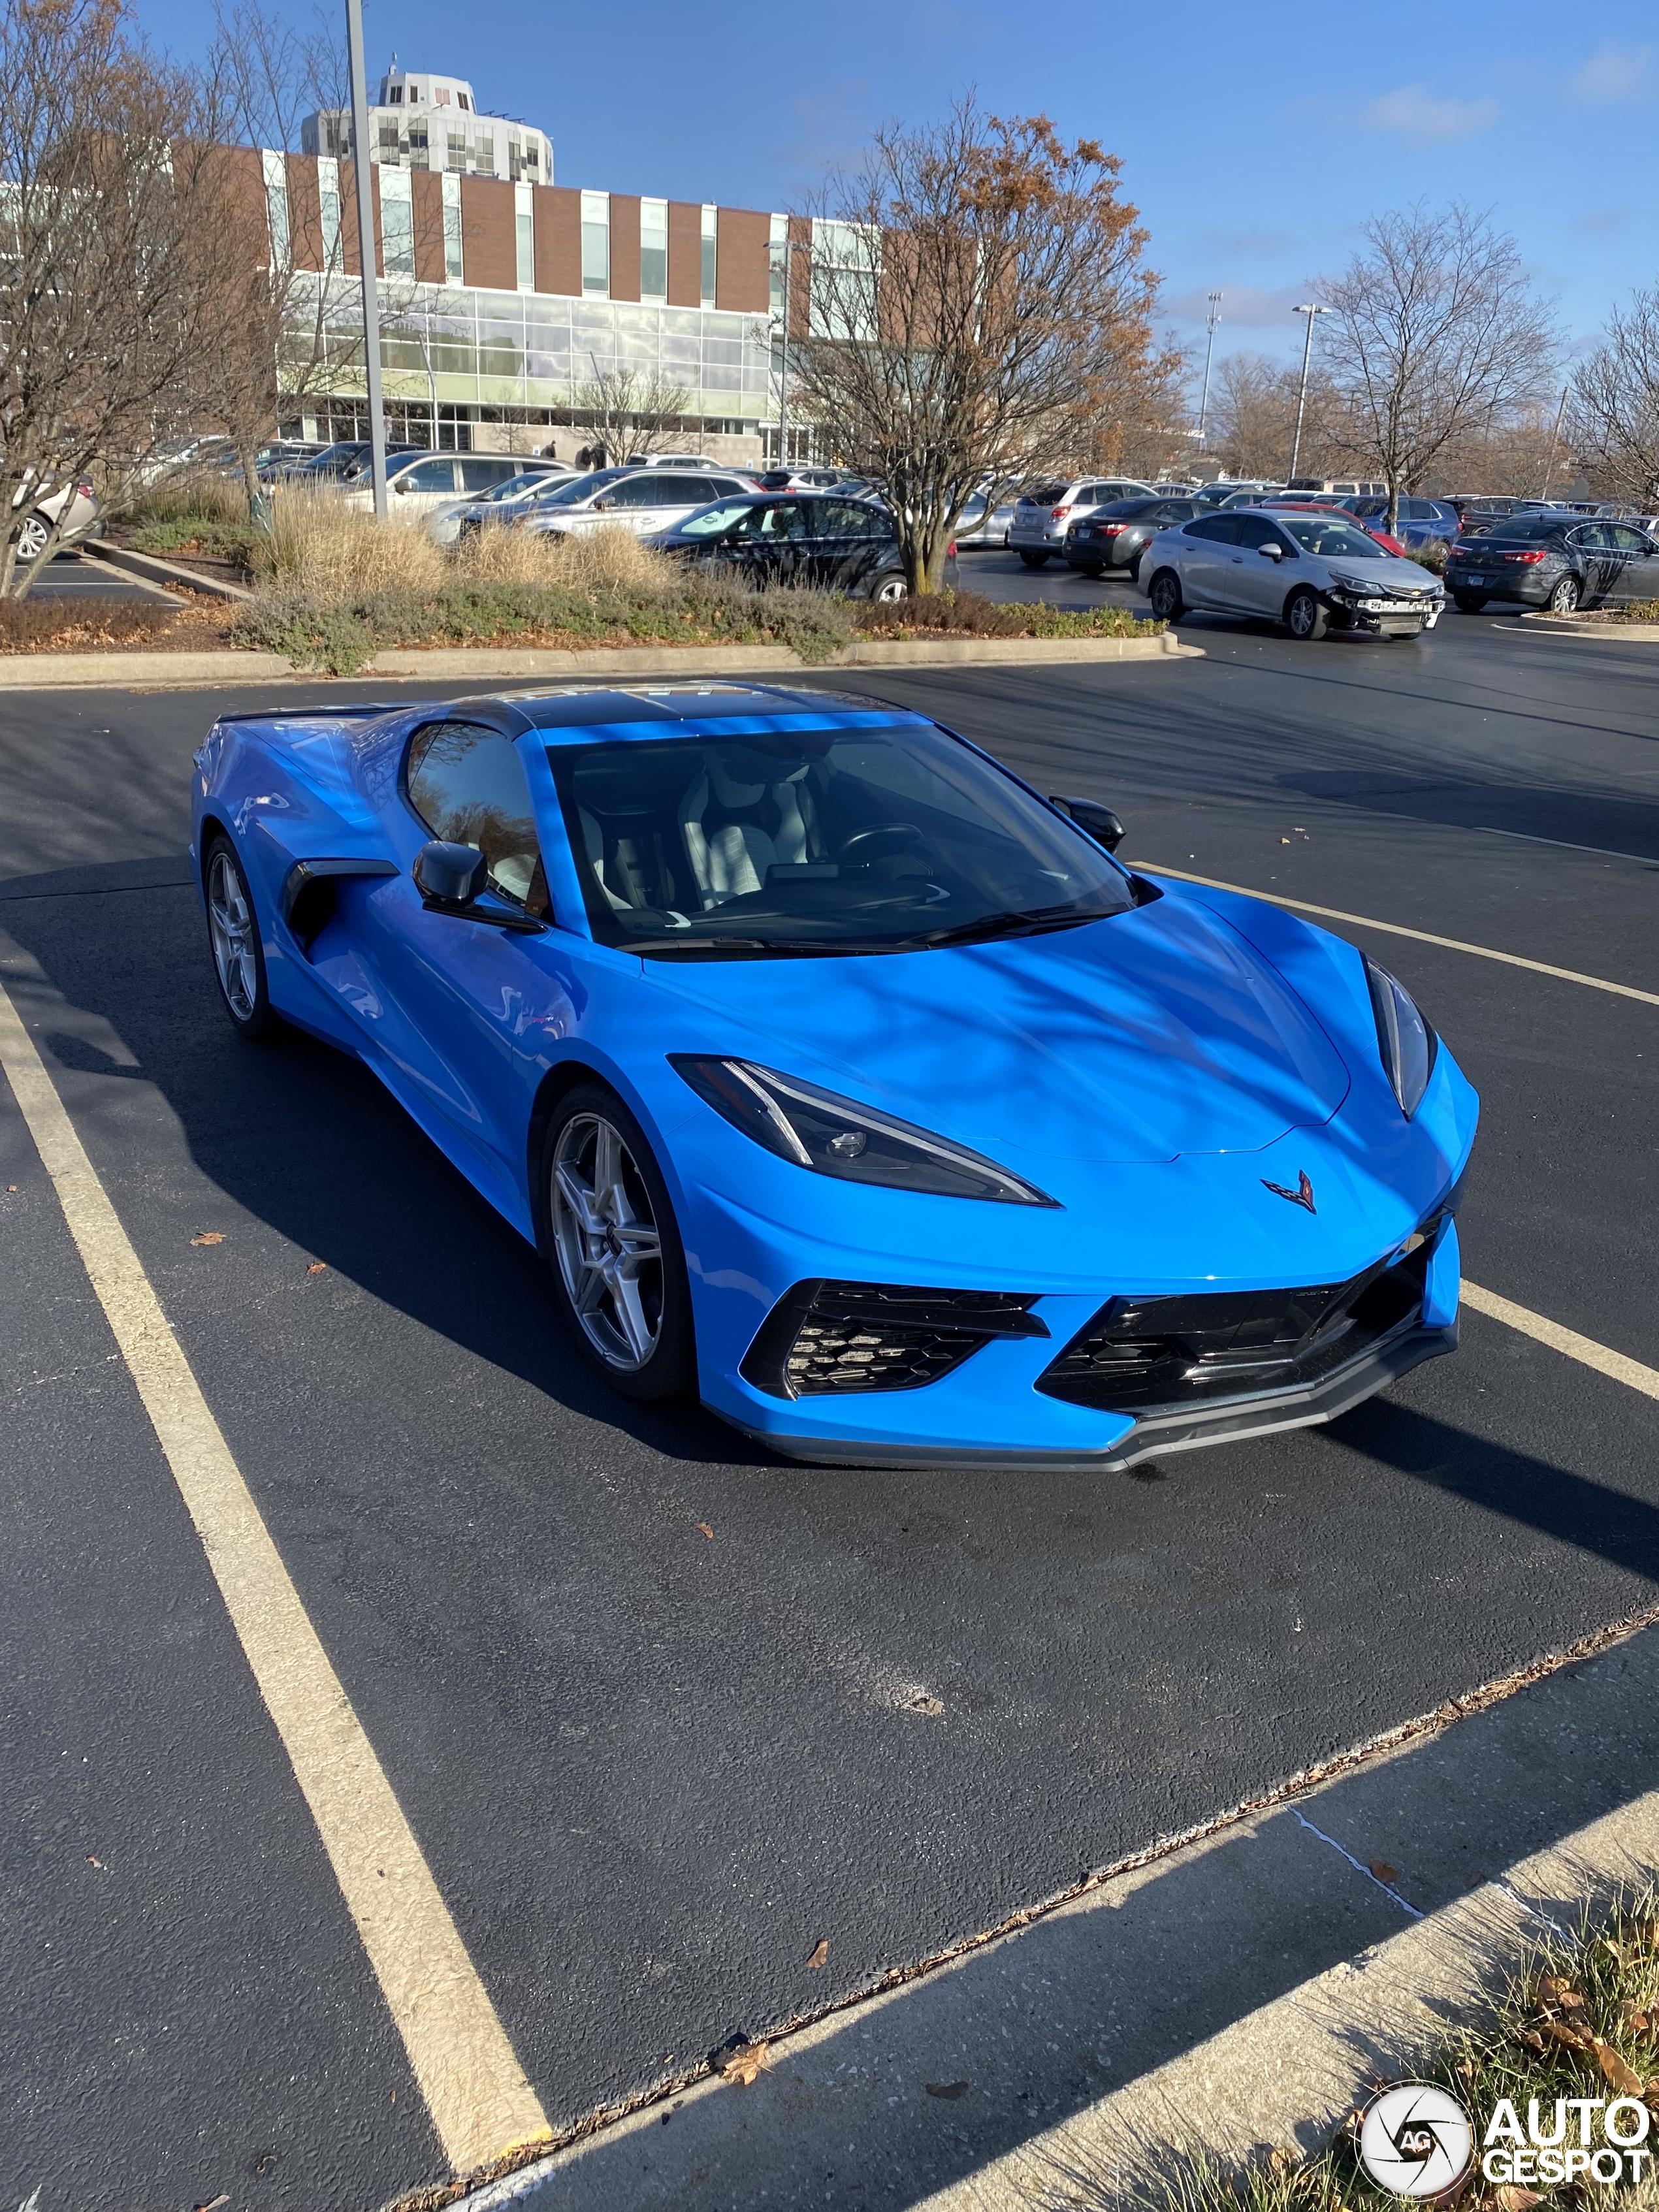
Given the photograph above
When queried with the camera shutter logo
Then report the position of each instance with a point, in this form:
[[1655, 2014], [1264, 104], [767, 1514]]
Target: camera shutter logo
[[1416, 2140]]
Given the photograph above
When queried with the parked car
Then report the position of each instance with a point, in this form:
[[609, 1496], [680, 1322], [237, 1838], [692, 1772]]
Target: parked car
[[417, 482], [669, 461], [1420, 521], [79, 507], [1116, 537], [1314, 573], [1223, 490], [1352, 487], [838, 544], [982, 529], [1554, 561], [286, 454], [1043, 515], [1310, 503], [644, 500], [801, 477], [459, 517], [814, 1050], [346, 461]]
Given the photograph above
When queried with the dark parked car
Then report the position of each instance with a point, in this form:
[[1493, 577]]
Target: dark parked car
[[838, 544], [1555, 560], [1116, 537], [344, 462], [1421, 521]]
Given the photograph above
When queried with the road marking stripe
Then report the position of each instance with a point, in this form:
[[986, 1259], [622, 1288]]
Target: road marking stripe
[[1567, 1340], [1394, 929], [1566, 845], [474, 2086]]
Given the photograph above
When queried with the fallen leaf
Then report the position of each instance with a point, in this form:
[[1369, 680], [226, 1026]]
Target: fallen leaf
[[703, 1529], [1569, 2001], [1508, 2198], [1531, 2038], [1641, 2023], [1625, 2078], [924, 1702], [745, 2064], [1558, 2032], [1284, 841], [820, 1952], [318, 1267], [99, 1863], [946, 2088], [1383, 1871], [210, 1237], [1280, 2159], [214, 2206], [11, 1186]]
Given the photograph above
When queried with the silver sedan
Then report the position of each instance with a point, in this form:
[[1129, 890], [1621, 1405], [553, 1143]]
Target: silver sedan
[[1314, 573]]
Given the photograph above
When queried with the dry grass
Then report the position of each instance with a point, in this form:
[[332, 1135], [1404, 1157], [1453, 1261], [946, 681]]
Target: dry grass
[[189, 495], [341, 554]]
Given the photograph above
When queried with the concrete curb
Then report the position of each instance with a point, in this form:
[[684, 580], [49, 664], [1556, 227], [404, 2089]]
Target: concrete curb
[[151, 569], [35, 671], [1245, 1989], [1560, 626]]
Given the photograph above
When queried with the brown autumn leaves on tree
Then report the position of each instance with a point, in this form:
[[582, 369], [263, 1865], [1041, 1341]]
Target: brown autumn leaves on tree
[[976, 306]]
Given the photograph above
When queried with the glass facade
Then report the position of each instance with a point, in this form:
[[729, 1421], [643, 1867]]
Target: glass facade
[[276, 209], [524, 224], [452, 266], [596, 243], [397, 222], [533, 350], [328, 203], [710, 253], [653, 250]]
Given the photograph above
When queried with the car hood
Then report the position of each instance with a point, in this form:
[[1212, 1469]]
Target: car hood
[[1388, 571], [1153, 1034]]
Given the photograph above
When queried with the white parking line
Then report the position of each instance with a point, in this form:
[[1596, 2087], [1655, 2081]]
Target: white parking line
[[1568, 1340], [1396, 929], [474, 2087], [1566, 845]]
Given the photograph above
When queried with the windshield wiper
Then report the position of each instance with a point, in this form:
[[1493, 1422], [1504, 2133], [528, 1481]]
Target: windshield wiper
[[1026, 923]]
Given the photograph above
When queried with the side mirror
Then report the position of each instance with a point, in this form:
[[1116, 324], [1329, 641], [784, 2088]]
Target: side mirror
[[1094, 820], [449, 875], [602, 506], [1271, 552]]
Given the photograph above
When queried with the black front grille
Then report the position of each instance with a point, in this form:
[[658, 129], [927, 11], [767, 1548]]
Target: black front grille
[[823, 1338], [1180, 1351]]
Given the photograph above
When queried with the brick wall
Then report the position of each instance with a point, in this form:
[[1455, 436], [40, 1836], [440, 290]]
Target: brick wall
[[741, 264], [558, 238], [684, 254], [305, 213], [624, 248], [426, 192], [488, 235]]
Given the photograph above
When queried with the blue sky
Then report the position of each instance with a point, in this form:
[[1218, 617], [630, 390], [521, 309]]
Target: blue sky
[[1255, 139]]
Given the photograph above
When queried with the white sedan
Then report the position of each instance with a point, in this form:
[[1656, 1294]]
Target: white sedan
[[1313, 573]]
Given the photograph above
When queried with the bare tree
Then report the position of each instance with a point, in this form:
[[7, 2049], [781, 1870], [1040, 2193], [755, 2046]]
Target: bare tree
[[975, 308], [632, 411], [1613, 405], [1435, 332], [102, 315]]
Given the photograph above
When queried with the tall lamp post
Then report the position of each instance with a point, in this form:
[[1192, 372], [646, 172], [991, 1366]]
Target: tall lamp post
[[365, 183], [1209, 352], [1309, 310], [791, 248]]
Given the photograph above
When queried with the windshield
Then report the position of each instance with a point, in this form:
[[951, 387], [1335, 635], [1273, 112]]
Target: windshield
[[583, 486], [515, 487], [1335, 540], [873, 840]]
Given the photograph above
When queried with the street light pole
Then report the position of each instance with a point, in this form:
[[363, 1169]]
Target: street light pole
[[1309, 311], [366, 251], [1549, 466], [1209, 351]]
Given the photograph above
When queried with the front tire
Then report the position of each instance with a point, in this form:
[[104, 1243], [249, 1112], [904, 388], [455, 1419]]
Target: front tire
[[1164, 594], [1135, 569], [32, 539], [1305, 615], [239, 958], [1032, 558], [609, 1235], [888, 591], [1564, 599]]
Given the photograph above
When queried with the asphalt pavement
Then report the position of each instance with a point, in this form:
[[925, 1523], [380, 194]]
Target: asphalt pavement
[[650, 1771]]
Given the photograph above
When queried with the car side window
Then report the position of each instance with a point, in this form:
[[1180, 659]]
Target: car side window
[[1221, 529], [436, 474], [1171, 510], [634, 491], [467, 784], [849, 517], [1626, 539], [480, 472], [1255, 530]]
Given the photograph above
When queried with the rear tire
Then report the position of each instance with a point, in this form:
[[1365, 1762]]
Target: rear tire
[[1164, 594], [1033, 560], [1094, 570], [32, 539], [607, 1230], [1135, 569], [1469, 603], [1305, 615], [239, 958], [1564, 599], [888, 591]]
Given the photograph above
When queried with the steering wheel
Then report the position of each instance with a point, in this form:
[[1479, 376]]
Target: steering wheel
[[864, 845]]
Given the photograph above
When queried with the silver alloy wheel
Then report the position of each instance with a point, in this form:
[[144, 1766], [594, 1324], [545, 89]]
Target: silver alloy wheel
[[889, 591], [605, 1232], [231, 926], [31, 537], [1564, 599]]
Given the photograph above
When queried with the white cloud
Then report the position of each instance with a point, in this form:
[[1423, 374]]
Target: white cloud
[[1414, 113], [1621, 75]]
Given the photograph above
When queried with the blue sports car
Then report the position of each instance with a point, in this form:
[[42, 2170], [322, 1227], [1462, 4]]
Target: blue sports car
[[843, 1078]]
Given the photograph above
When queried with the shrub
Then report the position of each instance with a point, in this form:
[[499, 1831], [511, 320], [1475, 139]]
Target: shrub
[[336, 554], [1430, 556], [196, 493], [930, 611], [235, 541]]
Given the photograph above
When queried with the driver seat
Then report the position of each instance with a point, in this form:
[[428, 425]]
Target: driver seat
[[734, 829]]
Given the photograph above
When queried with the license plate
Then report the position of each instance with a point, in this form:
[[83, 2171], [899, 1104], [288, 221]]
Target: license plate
[[1474, 580]]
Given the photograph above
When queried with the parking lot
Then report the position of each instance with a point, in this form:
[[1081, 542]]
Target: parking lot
[[652, 1768]]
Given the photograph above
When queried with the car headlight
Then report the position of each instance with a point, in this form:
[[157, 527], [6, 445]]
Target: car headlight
[[1404, 1038], [833, 1136], [1353, 584]]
